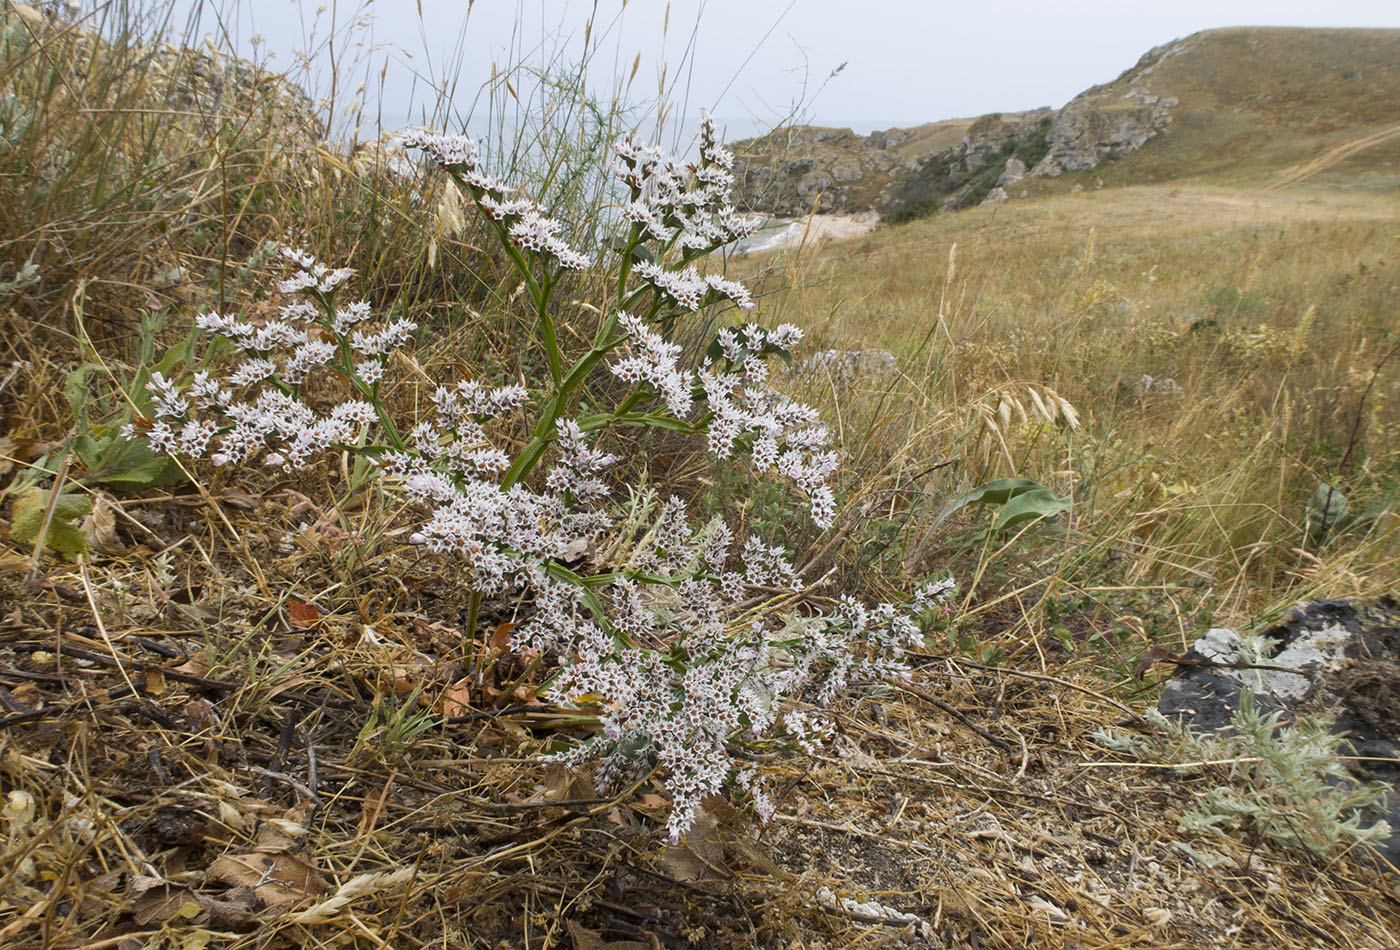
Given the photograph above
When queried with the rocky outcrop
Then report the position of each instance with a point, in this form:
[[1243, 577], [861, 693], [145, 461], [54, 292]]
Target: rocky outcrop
[[1014, 172], [1087, 131], [993, 136], [792, 172]]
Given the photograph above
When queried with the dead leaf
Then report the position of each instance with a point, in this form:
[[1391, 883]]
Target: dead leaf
[[201, 714], [7, 455], [699, 854], [563, 784], [651, 802], [272, 840], [1152, 657], [158, 901], [577, 552], [155, 683], [585, 939], [456, 699], [279, 880], [99, 527], [241, 500], [500, 640], [372, 809], [304, 616], [154, 900]]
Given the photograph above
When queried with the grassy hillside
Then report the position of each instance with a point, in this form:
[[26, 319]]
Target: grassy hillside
[[1254, 101], [1269, 312]]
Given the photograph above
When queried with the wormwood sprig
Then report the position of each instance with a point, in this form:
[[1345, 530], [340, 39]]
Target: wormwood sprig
[[659, 645]]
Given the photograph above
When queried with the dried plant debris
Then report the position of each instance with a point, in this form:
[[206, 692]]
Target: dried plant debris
[[222, 808]]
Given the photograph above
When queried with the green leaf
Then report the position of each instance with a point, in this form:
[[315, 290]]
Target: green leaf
[[1327, 506], [1029, 506], [153, 471], [75, 392], [64, 534], [89, 451], [998, 492]]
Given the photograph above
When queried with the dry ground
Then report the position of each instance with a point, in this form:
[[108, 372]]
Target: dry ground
[[193, 756]]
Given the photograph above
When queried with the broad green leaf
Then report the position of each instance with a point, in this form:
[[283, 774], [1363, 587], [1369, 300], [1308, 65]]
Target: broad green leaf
[[1327, 508], [998, 492], [64, 534], [150, 472], [75, 392], [1029, 506]]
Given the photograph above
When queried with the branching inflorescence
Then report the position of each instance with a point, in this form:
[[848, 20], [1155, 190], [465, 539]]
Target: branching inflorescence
[[662, 646]]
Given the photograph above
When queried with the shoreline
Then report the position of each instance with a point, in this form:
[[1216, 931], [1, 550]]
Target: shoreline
[[810, 229]]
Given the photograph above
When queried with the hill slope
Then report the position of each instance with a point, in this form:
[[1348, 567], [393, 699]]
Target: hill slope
[[1245, 106], [1253, 101]]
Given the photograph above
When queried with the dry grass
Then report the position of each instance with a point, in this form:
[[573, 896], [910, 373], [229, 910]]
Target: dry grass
[[201, 765], [1268, 312], [249, 716]]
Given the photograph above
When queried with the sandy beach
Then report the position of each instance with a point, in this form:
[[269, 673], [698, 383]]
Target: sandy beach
[[811, 229]]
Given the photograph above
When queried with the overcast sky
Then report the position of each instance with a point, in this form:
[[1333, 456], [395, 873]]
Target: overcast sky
[[906, 61]]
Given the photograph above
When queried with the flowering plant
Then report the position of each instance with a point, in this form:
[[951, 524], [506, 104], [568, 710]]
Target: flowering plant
[[662, 642]]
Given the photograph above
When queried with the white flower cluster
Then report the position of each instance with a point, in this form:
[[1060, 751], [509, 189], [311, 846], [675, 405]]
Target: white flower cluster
[[653, 361], [501, 537], [312, 274], [787, 436], [449, 151], [528, 227], [253, 411], [676, 684], [679, 203], [690, 290], [577, 470]]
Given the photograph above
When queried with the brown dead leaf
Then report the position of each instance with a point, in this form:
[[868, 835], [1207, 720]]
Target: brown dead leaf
[[456, 699], [372, 809], [577, 553], [279, 880], [155, 683], [1152, 657], [99, 527], [272, 840], [201, 714], [304, 616], [651, 802], [240, 499], [700, 852], [153, 900], [563, 784], [585, 939], [500, 640]]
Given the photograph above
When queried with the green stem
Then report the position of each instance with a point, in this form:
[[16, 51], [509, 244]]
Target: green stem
[[525, 462], [551, 340]]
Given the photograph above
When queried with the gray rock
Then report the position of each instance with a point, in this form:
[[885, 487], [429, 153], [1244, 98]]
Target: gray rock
[[1015, 171], [996, 196], [846, 367], [1147, 386]]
